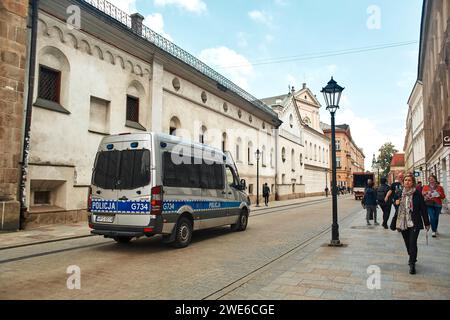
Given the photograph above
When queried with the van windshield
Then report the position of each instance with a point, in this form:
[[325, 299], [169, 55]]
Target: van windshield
[[123, 170]]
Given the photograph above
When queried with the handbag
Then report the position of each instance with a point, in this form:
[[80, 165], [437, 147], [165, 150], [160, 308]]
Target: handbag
[[393, 225]]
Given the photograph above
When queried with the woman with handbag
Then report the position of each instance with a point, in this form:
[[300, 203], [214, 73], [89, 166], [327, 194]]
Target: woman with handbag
[[412, 216], [434, 194]]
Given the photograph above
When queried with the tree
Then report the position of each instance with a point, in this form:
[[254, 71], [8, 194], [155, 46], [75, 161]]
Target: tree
[[387, 152]]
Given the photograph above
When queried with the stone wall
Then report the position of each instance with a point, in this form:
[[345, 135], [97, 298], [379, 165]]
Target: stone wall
[[13, 39]]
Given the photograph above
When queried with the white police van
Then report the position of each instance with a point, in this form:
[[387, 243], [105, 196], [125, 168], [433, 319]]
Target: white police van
[[147, 184]]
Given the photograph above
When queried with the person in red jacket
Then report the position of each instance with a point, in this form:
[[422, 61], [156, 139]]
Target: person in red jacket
[[433, 194]]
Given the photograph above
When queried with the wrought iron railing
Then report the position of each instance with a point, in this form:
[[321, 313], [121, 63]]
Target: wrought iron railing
[[174, 50]]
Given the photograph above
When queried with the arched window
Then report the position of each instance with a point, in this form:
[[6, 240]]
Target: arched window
[[224, 142], [53, 81], [250, 153], [291, 121], [307, 150], [238, 149], [263, 156], [283, 154], [293, 160], [301, 159], [201, 138], [315, 152], [271, 158], [174, 126]]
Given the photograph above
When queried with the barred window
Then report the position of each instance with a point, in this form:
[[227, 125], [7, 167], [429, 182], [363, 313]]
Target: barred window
[[49, 84], [132, 109]]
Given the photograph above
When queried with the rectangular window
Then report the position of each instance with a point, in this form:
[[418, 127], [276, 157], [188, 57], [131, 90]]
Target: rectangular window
[[42, 197], [338, 145], [99, 115], [49, 84], [338, 162], [132, 109]]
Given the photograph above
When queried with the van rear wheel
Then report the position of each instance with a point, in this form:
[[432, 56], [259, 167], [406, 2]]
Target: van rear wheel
[[183, 234], [123, 240]]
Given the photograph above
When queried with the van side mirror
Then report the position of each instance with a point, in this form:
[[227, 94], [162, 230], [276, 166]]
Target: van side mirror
[[243, 185]]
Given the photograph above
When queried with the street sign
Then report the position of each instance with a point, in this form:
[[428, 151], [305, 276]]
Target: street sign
[[446, 138]]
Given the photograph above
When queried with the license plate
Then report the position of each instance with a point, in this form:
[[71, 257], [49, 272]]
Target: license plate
[[105, 219]]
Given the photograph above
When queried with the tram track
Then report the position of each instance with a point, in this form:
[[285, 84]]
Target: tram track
[[258, 213], [218, 294]]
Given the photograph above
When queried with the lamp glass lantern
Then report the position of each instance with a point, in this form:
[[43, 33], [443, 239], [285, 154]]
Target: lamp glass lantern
[[332, 94]]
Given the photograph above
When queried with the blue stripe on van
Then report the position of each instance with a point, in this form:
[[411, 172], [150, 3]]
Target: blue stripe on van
[[175, 205], [143, 207]]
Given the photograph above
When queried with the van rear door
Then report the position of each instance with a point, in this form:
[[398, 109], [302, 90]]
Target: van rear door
[[121, 183]]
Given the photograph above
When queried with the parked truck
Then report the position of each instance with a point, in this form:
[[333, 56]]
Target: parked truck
[[360, 183]]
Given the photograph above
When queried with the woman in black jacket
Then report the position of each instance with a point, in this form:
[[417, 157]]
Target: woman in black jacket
[[412, 217]]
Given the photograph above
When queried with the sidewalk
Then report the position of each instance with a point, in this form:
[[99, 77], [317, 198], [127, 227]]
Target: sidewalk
[[277, 204], [62, 232], [317, 271]]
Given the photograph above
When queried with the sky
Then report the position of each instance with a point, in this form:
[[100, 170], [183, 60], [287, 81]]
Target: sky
[[370, 47]]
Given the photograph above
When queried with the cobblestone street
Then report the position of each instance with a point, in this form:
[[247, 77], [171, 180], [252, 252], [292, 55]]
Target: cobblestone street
[[282, 255]]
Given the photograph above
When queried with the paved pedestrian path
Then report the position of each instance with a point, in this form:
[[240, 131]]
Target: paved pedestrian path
[[317, 271], [62, 232]]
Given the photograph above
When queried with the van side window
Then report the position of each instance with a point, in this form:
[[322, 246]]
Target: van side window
[[232, 180], [212, 176], [182, 175], [192, 175]]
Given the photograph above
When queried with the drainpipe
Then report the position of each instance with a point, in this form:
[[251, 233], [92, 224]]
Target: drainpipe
[[29, 106], [277, 197]]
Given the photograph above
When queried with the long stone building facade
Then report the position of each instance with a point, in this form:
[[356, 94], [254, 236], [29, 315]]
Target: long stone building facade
[[434, 75], [112, 75]]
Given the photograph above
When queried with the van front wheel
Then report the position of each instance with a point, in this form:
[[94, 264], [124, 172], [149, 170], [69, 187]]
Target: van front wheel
[[183, 234], [241, 225]]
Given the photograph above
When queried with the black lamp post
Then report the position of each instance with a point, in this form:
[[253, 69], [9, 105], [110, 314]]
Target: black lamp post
[[258, 157], [332, 94]]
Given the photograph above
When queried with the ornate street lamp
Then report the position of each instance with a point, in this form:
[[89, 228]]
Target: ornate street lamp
[[258, 157], [332, 94]]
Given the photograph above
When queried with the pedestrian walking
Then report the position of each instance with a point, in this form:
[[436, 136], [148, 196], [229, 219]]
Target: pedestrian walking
[[395, 194], [327, 191], [412, 217], [434, 194], [369, 202], [385, 206], [419, 186], [266, 194]]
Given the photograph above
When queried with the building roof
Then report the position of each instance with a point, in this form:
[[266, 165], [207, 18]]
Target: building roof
[[172, 49], [278, 100], [398, 160]]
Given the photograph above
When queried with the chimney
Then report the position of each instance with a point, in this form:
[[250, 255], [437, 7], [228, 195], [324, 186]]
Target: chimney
[[136, 23], [304, 86]]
